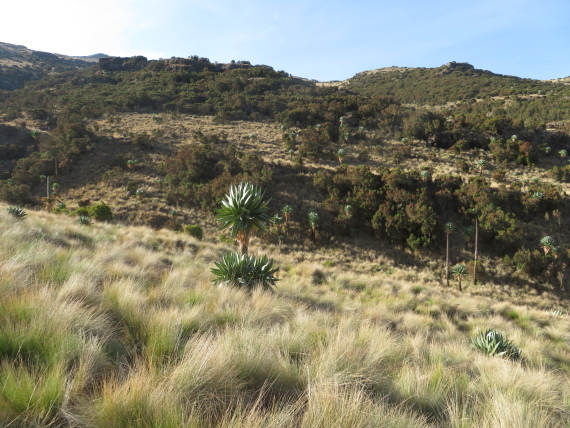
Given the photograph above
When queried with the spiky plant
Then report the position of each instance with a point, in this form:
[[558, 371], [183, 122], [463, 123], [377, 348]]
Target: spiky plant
[[481, 163], [313, 218], [547, 244], [459, 272], [243, 210], [278, 221], [17, 212], [286, 211], [341, 154], [562, 153], [425, 175], [537, 196], [493, 343], [245, 271], [83, 220]]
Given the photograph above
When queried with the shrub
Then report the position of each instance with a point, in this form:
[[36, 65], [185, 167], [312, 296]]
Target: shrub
[[81, 211], [531, 263], [499, 175], [244, 271], [59, 208], [100, 212], [194, 230], [494, 343], [16, 193]]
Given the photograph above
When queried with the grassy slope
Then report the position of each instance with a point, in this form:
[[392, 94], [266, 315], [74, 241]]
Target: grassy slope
[[108, 326]]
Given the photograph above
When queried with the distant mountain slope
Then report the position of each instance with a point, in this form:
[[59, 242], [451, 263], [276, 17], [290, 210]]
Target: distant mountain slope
[[450, 82], [18, 64], [94, 57]]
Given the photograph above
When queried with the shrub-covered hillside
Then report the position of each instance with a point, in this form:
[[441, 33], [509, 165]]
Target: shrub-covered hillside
[[106, 326], [160, 142], [19, 65]]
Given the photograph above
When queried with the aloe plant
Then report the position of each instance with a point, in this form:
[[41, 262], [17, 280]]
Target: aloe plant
[[83, 220], [245, 271], [493, 343], [17, 212]]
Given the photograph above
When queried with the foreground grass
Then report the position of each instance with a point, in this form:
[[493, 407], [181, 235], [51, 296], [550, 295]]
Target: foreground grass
[[120, 327]]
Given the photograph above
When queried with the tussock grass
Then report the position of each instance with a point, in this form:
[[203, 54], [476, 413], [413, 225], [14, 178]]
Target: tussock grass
[[121, 327]]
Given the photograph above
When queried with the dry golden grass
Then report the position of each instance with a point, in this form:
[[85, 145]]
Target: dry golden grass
[[109, 327]]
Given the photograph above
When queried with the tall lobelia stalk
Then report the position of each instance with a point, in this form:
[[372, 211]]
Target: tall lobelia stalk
[[476, 254], [448, 230]]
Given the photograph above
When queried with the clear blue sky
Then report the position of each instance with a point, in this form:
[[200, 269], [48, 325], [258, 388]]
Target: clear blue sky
[[316, 39]]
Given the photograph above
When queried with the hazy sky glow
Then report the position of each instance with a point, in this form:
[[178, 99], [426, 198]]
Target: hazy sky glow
[[316, 39]]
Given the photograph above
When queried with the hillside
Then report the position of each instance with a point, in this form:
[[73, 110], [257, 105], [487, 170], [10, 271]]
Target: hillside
[[450, 82], [162, 141], [110, 317], [18, 65], [107, 326]]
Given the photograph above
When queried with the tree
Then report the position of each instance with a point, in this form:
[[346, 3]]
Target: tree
[[313, 218], [341, 154], [476, 252], [448, 229], [459, 272], [481, 163], [286, 211], [547, 244], [243, 210]]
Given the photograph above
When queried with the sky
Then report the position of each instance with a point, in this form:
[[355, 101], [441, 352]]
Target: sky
[[314, 39]]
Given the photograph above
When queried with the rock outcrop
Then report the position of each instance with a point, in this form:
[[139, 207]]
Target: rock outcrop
[[192, 64], [116, 63]]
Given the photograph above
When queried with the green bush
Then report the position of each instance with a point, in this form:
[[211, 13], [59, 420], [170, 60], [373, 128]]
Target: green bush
[[100, 212], [16, 193], [194, 230], [81, 211]]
